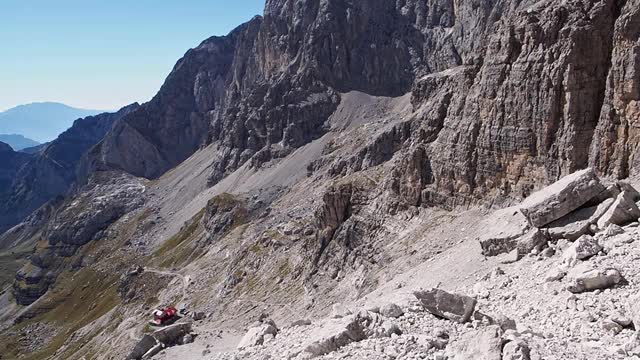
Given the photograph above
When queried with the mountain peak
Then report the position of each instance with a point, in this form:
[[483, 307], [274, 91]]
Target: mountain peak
[[17, 141], [41, 121]]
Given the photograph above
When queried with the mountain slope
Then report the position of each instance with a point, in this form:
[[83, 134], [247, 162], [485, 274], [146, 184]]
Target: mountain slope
[[52, 171], [315, 153], [18, 142], [41, 121]]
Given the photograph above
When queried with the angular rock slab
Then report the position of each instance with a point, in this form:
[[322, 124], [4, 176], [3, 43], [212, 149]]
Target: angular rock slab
[[171, 334], [623, 211], [577, 223], [142, 347], [561, 197], [582, 280], [534, 239], [440, 303], [336, 333]]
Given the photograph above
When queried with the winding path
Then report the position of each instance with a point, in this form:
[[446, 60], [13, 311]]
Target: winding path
[[185, 279]]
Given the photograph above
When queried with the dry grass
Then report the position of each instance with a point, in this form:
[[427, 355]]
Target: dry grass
[[180, 248]]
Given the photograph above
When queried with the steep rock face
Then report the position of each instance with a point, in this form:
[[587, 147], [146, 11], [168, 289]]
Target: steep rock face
[[51, 172], [526, 113], [10, 164], [169, 128], [615, 147], [269, 86]]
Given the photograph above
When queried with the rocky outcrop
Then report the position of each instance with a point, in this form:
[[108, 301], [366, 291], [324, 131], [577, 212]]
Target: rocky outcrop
[[224, 213], [106, 199], [52, 171], [491, 143], [31, 282], [579, 206], [74, 223], [341, 222]]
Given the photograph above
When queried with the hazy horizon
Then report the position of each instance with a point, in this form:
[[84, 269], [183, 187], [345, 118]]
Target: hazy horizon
[[101, 56]]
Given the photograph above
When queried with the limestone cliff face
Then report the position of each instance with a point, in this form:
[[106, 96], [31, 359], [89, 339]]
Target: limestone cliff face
[[51, 172], [615, 145], [527, 112]]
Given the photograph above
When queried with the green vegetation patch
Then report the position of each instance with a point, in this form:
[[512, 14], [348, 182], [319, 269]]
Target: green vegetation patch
[[77, 300]]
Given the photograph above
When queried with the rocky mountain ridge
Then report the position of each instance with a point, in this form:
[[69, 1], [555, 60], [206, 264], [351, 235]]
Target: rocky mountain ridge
[[52, 171], [492, 51], [41, 121], [319, 151], [18, 142]]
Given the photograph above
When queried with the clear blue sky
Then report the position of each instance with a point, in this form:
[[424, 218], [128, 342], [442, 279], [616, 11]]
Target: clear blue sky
[[102, 54]]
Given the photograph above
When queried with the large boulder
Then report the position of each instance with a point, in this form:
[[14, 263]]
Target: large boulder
[[583, 248], [142, 347], [255, 335], [623, 211], [440, 303], [583, 279], [484, 343], [336, 333], [561, 197], [171, 334]]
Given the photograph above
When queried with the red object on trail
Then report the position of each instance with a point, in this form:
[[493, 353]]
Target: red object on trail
[[163, 316]]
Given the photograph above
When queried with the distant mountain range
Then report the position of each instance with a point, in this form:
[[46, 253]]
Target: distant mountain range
[[18, 142], [41, 122]]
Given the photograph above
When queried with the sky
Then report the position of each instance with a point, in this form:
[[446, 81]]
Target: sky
[[103, 54]]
